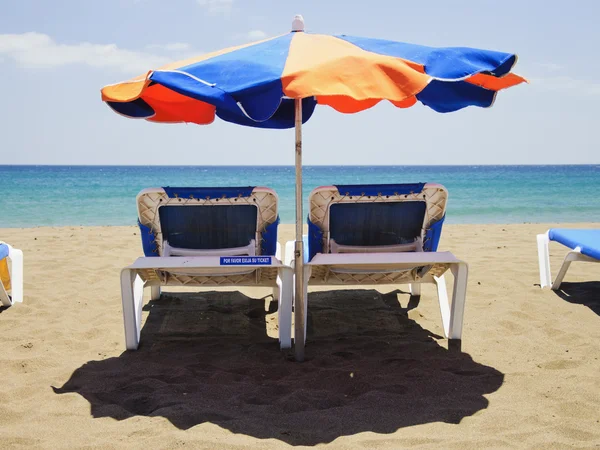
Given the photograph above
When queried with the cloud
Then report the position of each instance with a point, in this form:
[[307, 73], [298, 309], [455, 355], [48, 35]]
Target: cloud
[[217, 6], [37, 50], [550, 67], [173, 47], [256, 35], [567, 83], [550, 76]]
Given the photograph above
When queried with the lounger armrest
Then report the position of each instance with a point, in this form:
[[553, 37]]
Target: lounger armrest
[[189, 262], [248, 250], [406, 259], [415, 246]]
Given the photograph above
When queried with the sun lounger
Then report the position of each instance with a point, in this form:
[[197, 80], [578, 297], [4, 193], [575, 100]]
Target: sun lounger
[[383, 234], [206, 237], [584, 245], [11, 281]]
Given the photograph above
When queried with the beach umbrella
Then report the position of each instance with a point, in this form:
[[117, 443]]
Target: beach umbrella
[[277, 83]]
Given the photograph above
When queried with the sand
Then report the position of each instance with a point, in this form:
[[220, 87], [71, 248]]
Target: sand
[[378, 374]]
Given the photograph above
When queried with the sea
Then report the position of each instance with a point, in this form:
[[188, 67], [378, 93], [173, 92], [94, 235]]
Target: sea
[[32, 196]]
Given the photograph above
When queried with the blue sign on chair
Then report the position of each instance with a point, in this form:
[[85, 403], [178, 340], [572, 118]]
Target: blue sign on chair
[[245, 261]]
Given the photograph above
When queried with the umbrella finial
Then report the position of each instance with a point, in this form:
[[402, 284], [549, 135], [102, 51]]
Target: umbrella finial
[[298, 23]]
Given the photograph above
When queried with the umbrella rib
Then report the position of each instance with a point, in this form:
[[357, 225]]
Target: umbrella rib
[[181, 72], [239, 104]]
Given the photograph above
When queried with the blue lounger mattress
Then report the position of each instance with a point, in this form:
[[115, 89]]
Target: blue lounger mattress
[[587, 240], [3, 251]]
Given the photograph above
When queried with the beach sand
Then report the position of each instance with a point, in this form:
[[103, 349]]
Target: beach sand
[[378, 374]]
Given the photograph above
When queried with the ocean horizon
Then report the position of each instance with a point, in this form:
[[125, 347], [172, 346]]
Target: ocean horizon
[[82, 195]]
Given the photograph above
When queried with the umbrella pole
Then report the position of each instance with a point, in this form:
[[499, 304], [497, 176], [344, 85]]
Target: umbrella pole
[[299, 306]]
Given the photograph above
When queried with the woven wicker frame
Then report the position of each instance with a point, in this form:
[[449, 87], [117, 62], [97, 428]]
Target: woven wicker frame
[[434, 195], [321, 199], [150, 200]]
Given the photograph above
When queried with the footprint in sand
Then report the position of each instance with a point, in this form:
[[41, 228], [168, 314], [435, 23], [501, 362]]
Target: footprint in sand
[[560, 364], [522, 315], [513, 327]]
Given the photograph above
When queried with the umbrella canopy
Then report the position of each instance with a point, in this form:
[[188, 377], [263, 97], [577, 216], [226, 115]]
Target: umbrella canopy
[[277, 82], [256, 84]]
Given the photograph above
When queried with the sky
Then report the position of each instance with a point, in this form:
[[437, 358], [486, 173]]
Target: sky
[[55, 56]]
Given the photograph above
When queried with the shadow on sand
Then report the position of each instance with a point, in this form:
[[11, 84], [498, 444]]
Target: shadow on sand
[[584, 293], [207, 358]]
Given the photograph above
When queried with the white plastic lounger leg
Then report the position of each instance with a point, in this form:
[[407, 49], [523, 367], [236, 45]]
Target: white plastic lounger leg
[[459, 294], [415, 289], [440, 283], [574, 255], [132, 296], [276, 291], [5, 300], [154, 292], [563, 271], [16, 256], [284, 311], [544, 259]]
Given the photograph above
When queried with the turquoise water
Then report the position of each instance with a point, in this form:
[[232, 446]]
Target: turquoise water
[[105, 195]]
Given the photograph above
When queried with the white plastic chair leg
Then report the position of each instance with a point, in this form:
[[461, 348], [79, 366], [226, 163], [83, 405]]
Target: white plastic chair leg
[[285, 280], [132, 296], [544, 259], [571, 256], [155, 292], [459, 294], [277, 290], [440, 283], [415, 289], [16, 277], [5, 300]]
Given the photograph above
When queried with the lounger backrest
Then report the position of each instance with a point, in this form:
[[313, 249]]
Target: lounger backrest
[[202, 228], [376, 215], [208, 219], [375, 224]]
